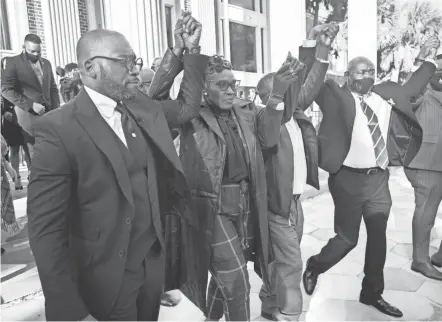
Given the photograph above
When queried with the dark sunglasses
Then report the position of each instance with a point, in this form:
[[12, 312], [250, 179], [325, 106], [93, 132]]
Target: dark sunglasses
[[129, 64], [224, 84]]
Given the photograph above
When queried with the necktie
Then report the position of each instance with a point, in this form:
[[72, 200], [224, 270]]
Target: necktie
[[126, 122], [380, 148]]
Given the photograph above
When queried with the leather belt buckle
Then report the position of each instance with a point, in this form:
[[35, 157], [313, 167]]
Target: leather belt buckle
[[372, 171]]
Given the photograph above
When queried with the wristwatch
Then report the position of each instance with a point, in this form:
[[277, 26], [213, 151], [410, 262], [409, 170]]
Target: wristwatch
[[192, 51]]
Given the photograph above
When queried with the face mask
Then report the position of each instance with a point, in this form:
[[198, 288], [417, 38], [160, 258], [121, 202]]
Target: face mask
[[32, 58], [362, 86], [436, 83]]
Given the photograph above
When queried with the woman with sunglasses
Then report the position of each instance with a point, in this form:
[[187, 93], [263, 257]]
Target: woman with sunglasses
[[220, 151]]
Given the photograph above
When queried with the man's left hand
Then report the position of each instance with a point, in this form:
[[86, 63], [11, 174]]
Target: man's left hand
[[192, 32]]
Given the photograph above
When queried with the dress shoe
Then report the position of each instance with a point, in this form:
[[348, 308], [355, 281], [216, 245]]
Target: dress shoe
[[267, 316], [309, 278], [427, 270], [436, 262], [382, 306]]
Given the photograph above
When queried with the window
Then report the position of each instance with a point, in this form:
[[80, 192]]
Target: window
[[169, 26], [243, 47], [242, 33], [5, 43], [245, 4]]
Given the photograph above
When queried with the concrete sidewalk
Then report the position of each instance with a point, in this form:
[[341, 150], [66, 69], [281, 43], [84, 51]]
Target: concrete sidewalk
[[336, 297]]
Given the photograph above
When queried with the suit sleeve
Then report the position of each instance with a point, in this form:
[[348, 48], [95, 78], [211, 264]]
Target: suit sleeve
[[55, 98], [315, 78], [10, 84], [419, 80], [164, 78], [49, 194], [188, 103], [269, 121]]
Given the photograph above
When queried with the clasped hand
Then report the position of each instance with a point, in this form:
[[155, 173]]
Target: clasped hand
[[286, 75]]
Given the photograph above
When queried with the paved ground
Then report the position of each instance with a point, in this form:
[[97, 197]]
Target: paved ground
[[336, 296]]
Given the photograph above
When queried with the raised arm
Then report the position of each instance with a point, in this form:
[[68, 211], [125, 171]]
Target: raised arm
[[171, 66], [421, 77], [316, 73], [269, 119], [315, 54], [48, 207], [188, 103], [10, 84]]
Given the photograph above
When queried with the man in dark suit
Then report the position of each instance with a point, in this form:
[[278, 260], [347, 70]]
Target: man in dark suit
[[29, 84], [289, 165], [365, 128], [425, 175], [105, 170]]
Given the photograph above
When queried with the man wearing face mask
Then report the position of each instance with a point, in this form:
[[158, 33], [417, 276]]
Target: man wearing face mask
[[365, 128], [425, 175], [29, 84]]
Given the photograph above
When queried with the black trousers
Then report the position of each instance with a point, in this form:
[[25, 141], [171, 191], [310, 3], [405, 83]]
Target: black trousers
[[140, 295], [356, 196]]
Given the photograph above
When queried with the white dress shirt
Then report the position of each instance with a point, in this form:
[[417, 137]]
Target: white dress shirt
[[299, 161], [106, 107], [361, 153]]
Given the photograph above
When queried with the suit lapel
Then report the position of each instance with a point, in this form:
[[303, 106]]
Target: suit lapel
[[348, 103], [31, 72], [45, 69], [211, 121], [152, 123], [93, 123]]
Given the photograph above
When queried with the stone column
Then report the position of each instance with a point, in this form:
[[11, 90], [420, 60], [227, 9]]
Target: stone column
[[362, 29], [287, 24]]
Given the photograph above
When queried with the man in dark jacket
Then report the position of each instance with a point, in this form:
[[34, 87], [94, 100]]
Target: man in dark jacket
[[95, 209], [289, 165], [425, 175], [365, 128], [29, 84]]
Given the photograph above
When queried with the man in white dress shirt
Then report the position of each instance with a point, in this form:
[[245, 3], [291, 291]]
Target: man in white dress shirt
[[105, 174], [365, 128], [291, 164]]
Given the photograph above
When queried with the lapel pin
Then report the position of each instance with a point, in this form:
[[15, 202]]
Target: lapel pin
[[134, 135]]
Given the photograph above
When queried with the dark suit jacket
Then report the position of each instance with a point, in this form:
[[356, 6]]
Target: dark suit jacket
[[338, 106], [80, 195], [21, 87], [279, 158], [429, 114]]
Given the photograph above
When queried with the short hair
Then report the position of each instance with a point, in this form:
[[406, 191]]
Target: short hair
[[33, 38], [217, 64], [69, 67], [264, 81]]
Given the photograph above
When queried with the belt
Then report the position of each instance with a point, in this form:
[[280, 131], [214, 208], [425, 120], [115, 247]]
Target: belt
[[364, 170]]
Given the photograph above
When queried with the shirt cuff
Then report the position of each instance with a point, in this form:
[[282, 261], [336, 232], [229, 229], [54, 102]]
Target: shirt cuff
[[309, 43], [279, 107]]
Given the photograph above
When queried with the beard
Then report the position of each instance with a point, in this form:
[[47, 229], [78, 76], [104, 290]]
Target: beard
[[116, 91]]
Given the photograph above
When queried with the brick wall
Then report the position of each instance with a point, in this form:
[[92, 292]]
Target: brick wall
[[82, 12], [35, 20]]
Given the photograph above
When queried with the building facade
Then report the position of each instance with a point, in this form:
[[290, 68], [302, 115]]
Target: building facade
[[255, 35]]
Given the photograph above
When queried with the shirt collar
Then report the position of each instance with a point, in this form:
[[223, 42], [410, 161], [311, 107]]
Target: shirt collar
[[105, 105]]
